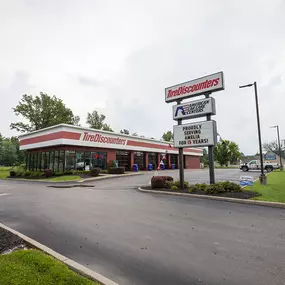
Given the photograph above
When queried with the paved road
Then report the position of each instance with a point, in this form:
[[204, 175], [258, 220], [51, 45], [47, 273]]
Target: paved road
[[138, 238]]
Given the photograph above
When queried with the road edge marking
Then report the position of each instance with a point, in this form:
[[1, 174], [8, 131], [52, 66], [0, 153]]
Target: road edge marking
[[73, 265], [225, 199], [4, 194]]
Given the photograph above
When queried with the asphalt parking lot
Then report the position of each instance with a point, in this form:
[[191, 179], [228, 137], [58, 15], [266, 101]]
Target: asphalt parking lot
[[139, 238]]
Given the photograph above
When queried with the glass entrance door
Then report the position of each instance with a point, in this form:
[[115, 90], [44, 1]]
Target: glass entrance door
[[98, 159]]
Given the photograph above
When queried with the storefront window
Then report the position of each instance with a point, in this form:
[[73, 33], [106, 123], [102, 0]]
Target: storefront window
[[152, 159], [98, 159], [56, 155], [139, 159], [124, 159], [79, 160], [87, 160], [51, 161], [174, 159], [61, 161], [69, 159]]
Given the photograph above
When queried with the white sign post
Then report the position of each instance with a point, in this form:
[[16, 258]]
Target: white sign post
[[194, 109], [198, 134]]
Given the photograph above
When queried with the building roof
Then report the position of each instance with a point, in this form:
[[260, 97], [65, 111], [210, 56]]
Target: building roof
[[64, 134]]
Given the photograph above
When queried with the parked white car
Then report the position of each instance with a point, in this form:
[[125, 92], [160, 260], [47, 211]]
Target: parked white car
[[255, 165]]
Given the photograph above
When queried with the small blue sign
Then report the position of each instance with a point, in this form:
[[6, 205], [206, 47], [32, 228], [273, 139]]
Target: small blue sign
[[270, 156], [246, 181]]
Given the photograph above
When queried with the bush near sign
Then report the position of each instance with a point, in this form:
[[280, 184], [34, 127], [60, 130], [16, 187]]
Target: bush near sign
[[198, 134], [194, 109]]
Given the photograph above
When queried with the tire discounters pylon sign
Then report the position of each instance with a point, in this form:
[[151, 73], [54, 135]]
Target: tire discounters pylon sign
[[206, 84], [199, 134]]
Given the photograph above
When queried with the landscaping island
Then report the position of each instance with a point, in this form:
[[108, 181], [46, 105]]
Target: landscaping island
[[222, 189]]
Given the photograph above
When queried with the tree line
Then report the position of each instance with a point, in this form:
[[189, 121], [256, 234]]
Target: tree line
[[42, 111]]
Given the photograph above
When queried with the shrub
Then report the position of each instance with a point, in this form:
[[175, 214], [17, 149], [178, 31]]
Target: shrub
[[12, 173], [167, 178], [27, 173], [230, 186], [67, 172], [174, 188], [201, 187], [47, 173], [95, 172], [87, 172], [168, 184], [36, 174], [214, 189], [157, 182], [112, 164], [177, 184], [116, 170], [104, 171], [57, 173]]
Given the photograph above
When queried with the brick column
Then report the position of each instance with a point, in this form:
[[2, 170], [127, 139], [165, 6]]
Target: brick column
[[146, 160], [158, 160], [169, 161]]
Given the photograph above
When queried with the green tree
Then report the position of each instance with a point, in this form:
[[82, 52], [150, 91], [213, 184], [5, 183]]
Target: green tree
[[21, 154], [96, 121], [167, 136], [271, 146], [125, 131], [205, 157], [226, 151], [41, 112], [9, 152]]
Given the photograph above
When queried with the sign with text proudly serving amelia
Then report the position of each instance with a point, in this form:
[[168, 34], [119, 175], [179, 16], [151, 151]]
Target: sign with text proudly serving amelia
[[194, 109], [198, 134], [203, 85]]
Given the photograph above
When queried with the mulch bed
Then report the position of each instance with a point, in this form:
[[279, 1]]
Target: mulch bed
[[240, 195], [9, 241]]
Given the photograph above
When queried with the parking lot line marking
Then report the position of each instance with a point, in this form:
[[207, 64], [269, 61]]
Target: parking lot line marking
[[4, 194]]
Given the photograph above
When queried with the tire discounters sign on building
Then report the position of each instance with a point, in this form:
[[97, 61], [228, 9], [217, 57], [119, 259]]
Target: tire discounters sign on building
[[206, 84], [194, 109], [195, 134]]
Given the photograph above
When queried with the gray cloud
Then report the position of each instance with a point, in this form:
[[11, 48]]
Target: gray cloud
[[121, 59]]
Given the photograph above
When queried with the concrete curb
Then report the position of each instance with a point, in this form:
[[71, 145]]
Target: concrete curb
[[77, 181], [110, 177], [82, 270], [225, 199]]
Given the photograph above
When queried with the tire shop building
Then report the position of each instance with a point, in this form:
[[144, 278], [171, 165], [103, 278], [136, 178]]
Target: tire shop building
[[65, 147]]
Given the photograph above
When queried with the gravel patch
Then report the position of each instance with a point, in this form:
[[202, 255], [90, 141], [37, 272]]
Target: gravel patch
[[9, 241]]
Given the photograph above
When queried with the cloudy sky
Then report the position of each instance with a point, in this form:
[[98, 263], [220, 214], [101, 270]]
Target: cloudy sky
[[118, 56]]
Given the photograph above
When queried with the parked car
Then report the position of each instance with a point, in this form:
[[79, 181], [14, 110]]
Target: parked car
[[255, 165]]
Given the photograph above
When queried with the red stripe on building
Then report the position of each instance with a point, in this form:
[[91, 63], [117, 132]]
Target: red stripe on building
[[158, 146], [52, 136]]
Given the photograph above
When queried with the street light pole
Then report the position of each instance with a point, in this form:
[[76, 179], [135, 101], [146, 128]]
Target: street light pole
[[262, 177], [279, 146]]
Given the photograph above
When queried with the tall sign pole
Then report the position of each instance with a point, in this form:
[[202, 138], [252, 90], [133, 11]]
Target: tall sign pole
[[180, 157], [211, 153]]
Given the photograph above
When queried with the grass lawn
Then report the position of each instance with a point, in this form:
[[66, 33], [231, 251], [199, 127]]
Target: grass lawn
[[274, 191], [4, 172], [64, 178], [36, 268]]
